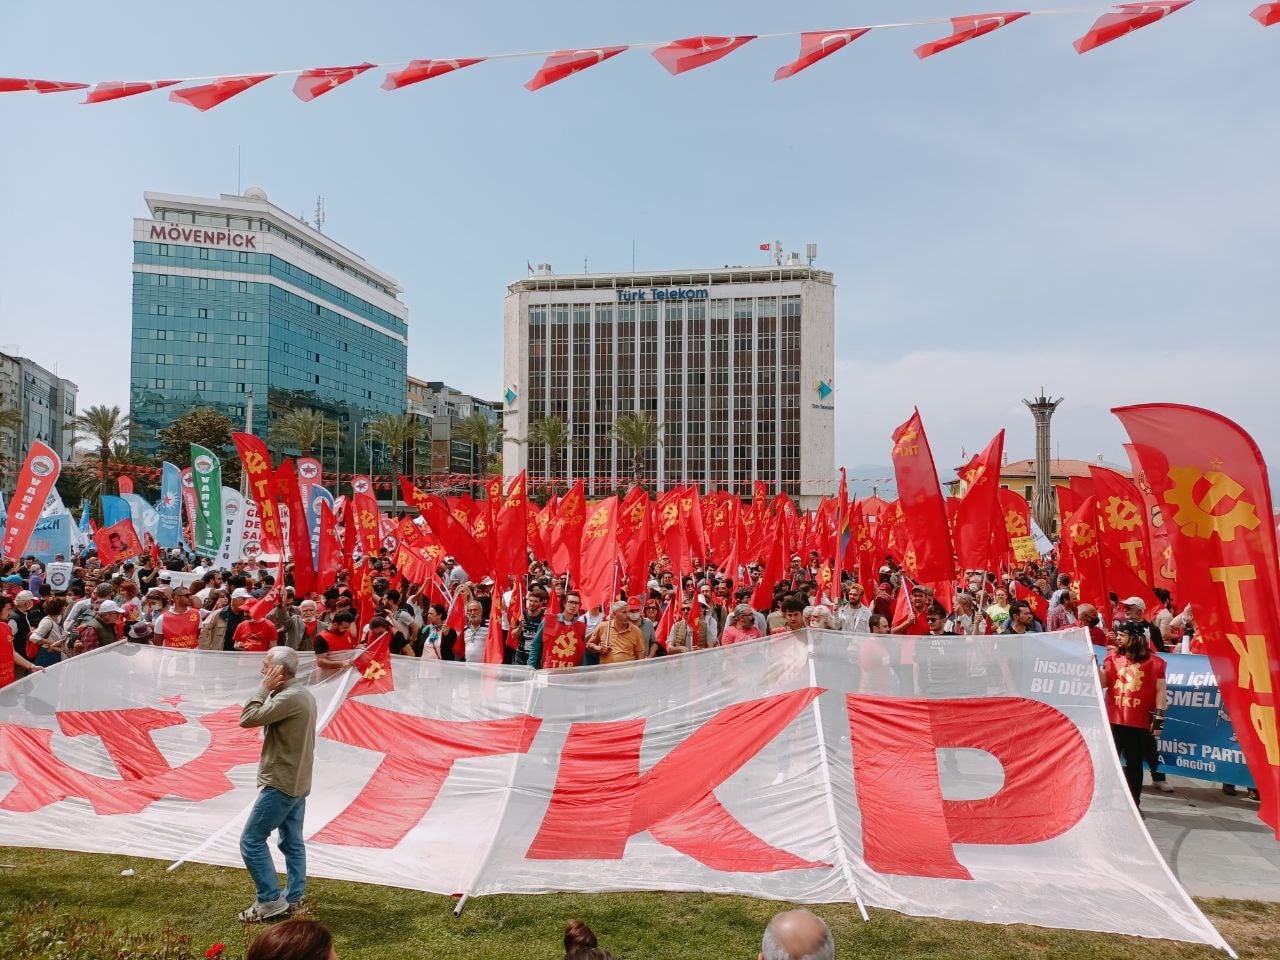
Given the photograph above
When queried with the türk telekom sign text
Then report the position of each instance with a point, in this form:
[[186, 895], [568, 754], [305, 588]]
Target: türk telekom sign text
[[200, 236]]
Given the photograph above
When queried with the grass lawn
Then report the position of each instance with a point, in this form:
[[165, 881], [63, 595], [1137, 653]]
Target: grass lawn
[[83, 892]]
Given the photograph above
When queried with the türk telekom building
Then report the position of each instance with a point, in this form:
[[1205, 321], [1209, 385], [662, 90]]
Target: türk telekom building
[[736, 365], [232, 296]]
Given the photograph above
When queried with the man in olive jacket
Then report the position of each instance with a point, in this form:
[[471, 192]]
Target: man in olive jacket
[[287, 711]]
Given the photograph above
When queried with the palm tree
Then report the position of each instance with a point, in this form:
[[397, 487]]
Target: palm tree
[[552, 433], [304, 429], [106, 426], [639, 431], [483, 435], [396, 431]]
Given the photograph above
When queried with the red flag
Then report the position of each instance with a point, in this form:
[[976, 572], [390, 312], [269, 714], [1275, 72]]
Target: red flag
[[599, 549], [21, 84], [967, 28], [290, 494], [257, 469], [1267, 14], [635, 540], [495, 644], [117, 89], [1132, 16], [920, 495], [455, 539], [363, 518], [511, 532], [36, 481], [689, 53], [815, 47], [419, 70], [903, 612], [563, 644], [209, 95], [330, 559], [565, 533], [457, 617], [1038, 604], [691, 516], [565, 63], [117, 542], [762, 596], [1080, 535], [670, 532], [319, 81], [1164, 571], [373, 665], [662, 630], [1212, 480], [1016, 514], [189, 504], [1121, 522], [767, 246], [978, 515]]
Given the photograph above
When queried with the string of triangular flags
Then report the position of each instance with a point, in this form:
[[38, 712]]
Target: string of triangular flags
[[676, 56]]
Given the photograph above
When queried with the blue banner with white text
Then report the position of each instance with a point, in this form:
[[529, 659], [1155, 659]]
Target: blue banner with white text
[[169, 507]]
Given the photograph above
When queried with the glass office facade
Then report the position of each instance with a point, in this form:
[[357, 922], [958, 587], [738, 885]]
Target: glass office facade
[[211, 325]]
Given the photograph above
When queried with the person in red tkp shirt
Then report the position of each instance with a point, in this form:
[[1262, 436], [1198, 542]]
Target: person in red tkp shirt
[[1134, 685], [257, 634]]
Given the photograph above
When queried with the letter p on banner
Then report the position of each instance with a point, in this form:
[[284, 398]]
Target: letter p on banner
[[909, 828]]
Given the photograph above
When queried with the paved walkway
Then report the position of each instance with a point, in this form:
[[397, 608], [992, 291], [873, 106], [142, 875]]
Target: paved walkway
[[1215, 844]]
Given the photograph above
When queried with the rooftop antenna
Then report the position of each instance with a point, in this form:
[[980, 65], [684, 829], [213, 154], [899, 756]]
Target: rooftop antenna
[[811, 252], [319, 213], [777, 252]]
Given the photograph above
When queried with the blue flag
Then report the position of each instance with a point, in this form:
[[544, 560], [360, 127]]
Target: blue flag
[[85, 517], [114, 509], [169, 506]]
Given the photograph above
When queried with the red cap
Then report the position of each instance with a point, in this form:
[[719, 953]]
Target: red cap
[[635, 603]]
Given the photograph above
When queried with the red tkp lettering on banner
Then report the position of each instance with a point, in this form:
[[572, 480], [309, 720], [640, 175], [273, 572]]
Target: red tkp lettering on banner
[[418, 754], [43, 778], [599, 783], [908, 828]]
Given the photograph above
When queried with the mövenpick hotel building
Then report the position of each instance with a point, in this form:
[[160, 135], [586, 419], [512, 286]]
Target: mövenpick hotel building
[[736, 364]]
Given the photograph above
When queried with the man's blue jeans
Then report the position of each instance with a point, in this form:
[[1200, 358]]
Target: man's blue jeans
[[274, 810]]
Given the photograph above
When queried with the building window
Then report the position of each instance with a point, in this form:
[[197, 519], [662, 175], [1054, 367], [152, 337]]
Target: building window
[[202, 337], [204, 253], [199, 384], [202, 283], [1027, 492], [242, 316], [317, 378], [241, 340], [316, 307], [202, 313], [160, 383], [243, 257], [162, 334], [242, 388], [202, 361], [162, 279], [162, 249], [162, 309], [238, 363], [243, 286], [161, 359]]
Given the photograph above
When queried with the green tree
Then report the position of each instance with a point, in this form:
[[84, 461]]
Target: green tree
[[483, 435], [552, 433], [107, 427], [210, 429], [395, 431], [639, 432], [304, 429]]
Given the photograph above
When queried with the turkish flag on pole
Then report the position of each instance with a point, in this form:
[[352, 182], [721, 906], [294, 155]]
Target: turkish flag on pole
[[689, 53], [815, 47], [1132, 16], [24, 84], [319, 81], [419, 70], [117, 89], [1267, 14], [599, 548], [979, 512], [967, 28], [1211, 477], [565, 63], [920, 495], [209, 95], [766, 246]]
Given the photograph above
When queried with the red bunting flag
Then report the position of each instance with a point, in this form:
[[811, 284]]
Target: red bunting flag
[[1212, 480], [565, 63], [1267, 14], [209, 95], [815, 47], [689, 53], [924, 510], [320, 80], [419, 70], [599, 548], [118, 89], [967, 28], [23, 84], [1132, 16]]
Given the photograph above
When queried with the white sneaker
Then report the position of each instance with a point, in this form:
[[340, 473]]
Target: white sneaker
[[1164, 786]]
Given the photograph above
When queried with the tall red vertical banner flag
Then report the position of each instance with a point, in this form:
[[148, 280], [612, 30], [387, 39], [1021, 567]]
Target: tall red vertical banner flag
[[257, 467], [363, 517], [290, 493], [35, 482], [978, 515], [599, 554], [920, 494], [330, 558], [1211, 479]]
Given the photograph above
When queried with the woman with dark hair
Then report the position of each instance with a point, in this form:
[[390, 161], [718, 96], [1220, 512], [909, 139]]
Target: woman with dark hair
[[1133, 681], [440, 638], [294, 940], [580, 943]]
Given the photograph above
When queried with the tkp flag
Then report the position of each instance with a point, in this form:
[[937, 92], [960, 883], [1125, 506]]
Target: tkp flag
[[35, 482]]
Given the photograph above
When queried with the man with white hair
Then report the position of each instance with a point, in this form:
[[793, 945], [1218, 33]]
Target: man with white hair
[[797, 935], [287, 711], [617, 640]]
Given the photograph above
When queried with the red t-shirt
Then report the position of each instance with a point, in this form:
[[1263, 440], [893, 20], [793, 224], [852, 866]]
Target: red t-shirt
[[256, 636], [181, 630], [329, 641], [8, 672], [1131, 689]]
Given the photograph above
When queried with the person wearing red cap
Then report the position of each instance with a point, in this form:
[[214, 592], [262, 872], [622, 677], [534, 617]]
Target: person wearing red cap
[[257, 634]]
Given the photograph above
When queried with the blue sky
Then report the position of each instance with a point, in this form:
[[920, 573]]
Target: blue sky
[[1003, 216]]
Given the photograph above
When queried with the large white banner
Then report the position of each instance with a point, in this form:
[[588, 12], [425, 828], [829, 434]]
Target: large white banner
[[979, 784]]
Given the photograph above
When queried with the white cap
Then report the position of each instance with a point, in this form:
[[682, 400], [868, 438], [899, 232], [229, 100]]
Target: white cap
[[1134, 602], [110, 606], [240, 593]]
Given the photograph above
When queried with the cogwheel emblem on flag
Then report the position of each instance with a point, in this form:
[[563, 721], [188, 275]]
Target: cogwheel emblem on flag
[[1014, 524], [1082, 534], [1196, 518], [1122, 514], [374, 671]]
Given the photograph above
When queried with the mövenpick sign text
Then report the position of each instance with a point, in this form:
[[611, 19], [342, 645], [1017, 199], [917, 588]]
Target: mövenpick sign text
[[200, 236], [775, 768]]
